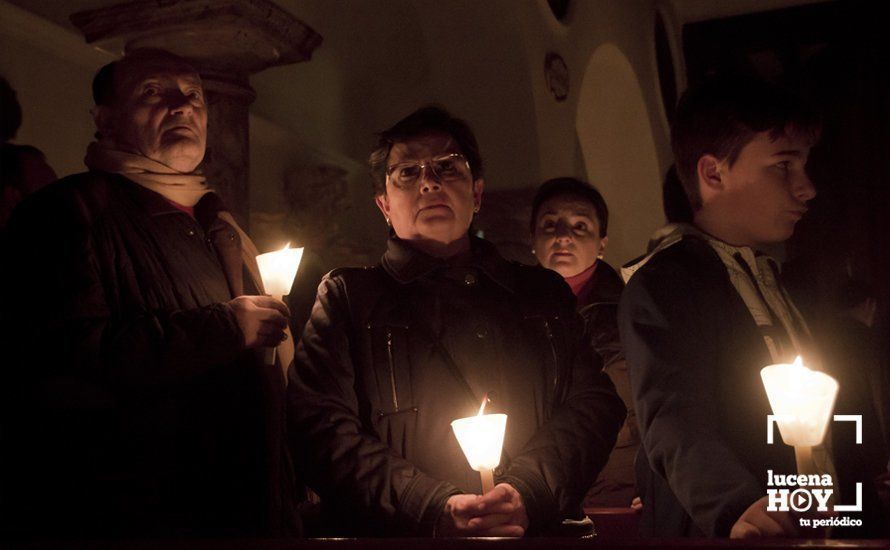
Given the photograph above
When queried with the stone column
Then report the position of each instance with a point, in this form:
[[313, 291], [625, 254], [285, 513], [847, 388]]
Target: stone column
[[227, 41]]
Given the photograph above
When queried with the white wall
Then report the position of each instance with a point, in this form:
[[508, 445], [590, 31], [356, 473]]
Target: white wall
[[619, 150], [611, 129]]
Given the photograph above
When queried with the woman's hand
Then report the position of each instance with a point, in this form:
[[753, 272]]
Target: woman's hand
[[498, 513]]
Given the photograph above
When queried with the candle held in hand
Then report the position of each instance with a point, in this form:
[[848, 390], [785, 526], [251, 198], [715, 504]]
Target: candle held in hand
[[481, 438], [278, 270]]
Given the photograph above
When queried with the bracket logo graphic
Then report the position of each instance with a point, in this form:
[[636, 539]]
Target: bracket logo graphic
[[857, 418], [805, 489]]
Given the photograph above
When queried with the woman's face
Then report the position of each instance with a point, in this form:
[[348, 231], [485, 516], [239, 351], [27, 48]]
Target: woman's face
[[432, 204], [567, 235]]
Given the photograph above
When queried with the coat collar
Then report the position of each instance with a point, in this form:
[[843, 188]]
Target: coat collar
[[406, 264], [206, 210], [605, 285], [153, 203]]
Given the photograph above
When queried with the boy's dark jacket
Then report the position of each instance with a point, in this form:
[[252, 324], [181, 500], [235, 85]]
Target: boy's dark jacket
[[695, 355]]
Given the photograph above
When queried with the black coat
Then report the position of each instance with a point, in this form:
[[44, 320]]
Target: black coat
[[392, 354], [130, 407], [616, 484], [695, 355], [599, 309]]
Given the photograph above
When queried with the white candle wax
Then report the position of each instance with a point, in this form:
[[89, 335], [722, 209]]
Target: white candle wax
[[802, 401], [278, 270], [481, 437]]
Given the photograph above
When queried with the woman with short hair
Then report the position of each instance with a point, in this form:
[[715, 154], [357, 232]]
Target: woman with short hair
[[569, 227], [393, 353]]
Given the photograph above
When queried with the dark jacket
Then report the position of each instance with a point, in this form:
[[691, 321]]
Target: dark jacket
[[695, 355], [130, 407], [392, 354], [598, 306]]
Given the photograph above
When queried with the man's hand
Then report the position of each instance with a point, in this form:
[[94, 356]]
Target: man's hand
[[757, 522], [498, 513], [262, 320]]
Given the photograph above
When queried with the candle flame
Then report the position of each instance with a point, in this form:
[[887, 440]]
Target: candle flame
[[798, 362], [286, 246], [484, 401]]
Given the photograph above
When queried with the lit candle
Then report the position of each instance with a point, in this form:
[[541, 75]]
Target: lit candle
[[481, 438], [802, 401], [278, 270]]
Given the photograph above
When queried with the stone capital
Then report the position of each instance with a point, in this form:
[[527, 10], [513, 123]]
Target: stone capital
[[226, 37]]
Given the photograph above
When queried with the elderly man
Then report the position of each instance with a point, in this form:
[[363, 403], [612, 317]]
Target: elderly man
[[136, 402]]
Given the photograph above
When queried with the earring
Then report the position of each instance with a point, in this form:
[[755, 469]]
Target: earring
[[476, 210], [533, 252], [388, 223]]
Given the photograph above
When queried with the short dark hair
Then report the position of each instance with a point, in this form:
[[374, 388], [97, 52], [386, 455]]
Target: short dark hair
[[108, 78], [576, 188], [723, 114], [424, 121]]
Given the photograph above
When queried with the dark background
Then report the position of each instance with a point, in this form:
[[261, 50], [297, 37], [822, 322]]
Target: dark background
[[837, 55]]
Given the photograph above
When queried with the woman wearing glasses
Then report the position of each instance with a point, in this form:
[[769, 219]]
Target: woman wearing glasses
[[393, 353]]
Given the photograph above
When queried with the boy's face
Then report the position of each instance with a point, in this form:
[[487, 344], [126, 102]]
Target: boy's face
[[764, 193]]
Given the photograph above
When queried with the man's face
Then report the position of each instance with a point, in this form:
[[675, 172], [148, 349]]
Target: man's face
[[161, 114], [434, 208], [567, 235], [766, 190]]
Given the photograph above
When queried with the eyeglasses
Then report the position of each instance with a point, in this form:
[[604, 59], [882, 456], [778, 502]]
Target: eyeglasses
[[405, 175]]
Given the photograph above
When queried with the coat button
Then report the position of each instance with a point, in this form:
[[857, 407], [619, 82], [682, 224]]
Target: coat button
[[191, 232], [469, 279], [481, 332]]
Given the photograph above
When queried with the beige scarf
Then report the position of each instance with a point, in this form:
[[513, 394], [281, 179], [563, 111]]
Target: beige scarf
[[185, 189]]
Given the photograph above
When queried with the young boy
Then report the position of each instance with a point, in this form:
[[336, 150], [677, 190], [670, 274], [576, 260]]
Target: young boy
[[704, 311]]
